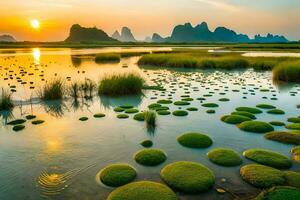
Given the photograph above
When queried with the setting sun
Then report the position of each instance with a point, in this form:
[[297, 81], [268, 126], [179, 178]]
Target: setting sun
[[35, 24]]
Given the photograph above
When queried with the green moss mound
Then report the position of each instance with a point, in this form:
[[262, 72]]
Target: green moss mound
[[99, 115], [18, 127], [161, 108], [180, 113], [139, 117], [279, 193], [154, 105], [142, 190], [276, 112], [192, 109], [163, 112], [235, 119], [287, 137], [181, 103], [131, 110], [187, 99], [294, 119], [292, 179], [29, 117], [147, 143], [117, 175], [122, 116], [265, 106], [210, 105], [36, 122], [293, 126], [255, 126], [296, 153], [188, 177], [249, 109], [164, 101], [119, 109], [194, 140], [16, 122], [150, 157], [224, 157], [277, 123], [269, 158], [126, 106], [262, 176], [244, 113], [83, 118], [224, 99], [210, 111]]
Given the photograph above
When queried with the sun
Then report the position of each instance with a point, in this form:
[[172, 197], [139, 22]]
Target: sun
[[35, 23]]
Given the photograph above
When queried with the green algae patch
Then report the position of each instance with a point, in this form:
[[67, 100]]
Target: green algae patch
[[265, 106], [29, 117], [276, 112], [36, 122], [147, 143], [249, 109], [181, 103], [139, 117], [180, 113], [99, 115], [287, 137], [262, 176], [210, 111], [150, 157], [122, 116], [292, 179], [16, 122], [164, 101], [255, 126], [83, 118], [188, 177], [142, 190], [293, 126], [194, 140], [210, 105], [131, 110], [244, 113], [294, 120], [224, 157], [277, 123], [117, 175], [279, 193], [163, 112], [192, 109], [269, 158], [119, 109], [235, 119], [18, 127]]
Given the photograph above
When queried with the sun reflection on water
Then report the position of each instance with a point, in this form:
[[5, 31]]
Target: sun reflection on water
[[36, 53]]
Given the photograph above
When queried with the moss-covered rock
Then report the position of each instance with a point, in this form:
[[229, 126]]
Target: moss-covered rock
[[119, 109], [18, 127], [210, 105], [235, 119], [194, 140], [262, 176], [224, 157], [265, 106], [117, 175], [180, 113], [293, 126], [210, 111], [292, 179], [163, 112], [294, 119], [153, 106], [279, 193], [181, 103], [249, 109], [147, 143], [255, 126], [36, 122], [122, 116], [224, 99], [131, 110], [164, 101], [188, 177], [244, 113], [150, 157], [277, 123], [192, 109], [287, 137], [269, 158], [142, 190], [139, 117], [276, 112], [99, 115]]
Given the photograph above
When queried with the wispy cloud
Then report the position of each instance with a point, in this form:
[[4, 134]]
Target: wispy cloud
[[221, 4]]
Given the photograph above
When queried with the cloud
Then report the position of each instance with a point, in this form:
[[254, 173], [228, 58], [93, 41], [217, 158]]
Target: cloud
[[221, 4]]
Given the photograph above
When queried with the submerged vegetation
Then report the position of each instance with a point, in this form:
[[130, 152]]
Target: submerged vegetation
[[125, 84]]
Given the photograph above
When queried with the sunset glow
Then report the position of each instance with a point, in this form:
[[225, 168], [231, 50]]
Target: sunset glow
[[35, 24]]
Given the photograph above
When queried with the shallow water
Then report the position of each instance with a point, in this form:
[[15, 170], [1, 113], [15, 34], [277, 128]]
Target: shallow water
[[60, 158]]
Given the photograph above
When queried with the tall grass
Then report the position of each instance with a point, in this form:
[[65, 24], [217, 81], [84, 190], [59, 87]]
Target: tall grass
[[107, 58], [74, 90], [131, 54], [287, 72], [122, 84], [54, 90], [150, 118], [88, 87], [5, 100]]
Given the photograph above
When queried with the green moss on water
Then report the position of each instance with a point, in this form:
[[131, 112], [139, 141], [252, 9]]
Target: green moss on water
[[180, 113], [293, 179], [249, 109], [18, 127], [235, 119], [154, 106], [142, 190], [287, 137], [150, 157], [255, 126], [99, 115], [126, 106], [147, 143], [187, 99], [262, 176], [277, 123], [16, 122], [131, 110], [36, 122], [119, 109], [194, 140], [181, 103], [269, 158], [83, 118], [224, 99], [139, 117], [192, 109], [293, 126], [294, 119], [224, 157], [276, 112], [265, 106], [117, 175], [122, 116], [279, 193], [29, 117], [244, 113], [164, 101], [210, 111], [163, 112], [210, 105], [188, 177]]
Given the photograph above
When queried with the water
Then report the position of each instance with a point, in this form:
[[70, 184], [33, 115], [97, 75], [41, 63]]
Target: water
[[60, 158]]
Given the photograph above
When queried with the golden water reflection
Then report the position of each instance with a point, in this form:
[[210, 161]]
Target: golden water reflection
[[36, 53]]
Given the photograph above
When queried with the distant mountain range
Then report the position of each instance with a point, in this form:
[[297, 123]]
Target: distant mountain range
[[125, 36], [7, 38], [200, 33], [82, 34]]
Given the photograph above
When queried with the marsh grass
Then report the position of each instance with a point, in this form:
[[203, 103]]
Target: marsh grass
[[88, 87], [150, 118], [121, 84], [132, 54], [107, 58], [74, 90], [54, 90], [5, 100], [287, 72]]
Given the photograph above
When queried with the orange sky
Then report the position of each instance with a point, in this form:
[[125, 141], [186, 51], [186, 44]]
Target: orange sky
[[147, 16]]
